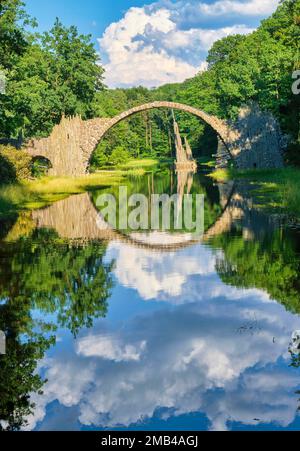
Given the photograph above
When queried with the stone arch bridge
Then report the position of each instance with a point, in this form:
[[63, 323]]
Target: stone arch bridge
[[72, 142]]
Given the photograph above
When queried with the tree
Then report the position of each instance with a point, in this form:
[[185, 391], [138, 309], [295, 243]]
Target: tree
[[119, 156], [13, 38], [75, 71], [56, 73], [18, 377], [223, 48]]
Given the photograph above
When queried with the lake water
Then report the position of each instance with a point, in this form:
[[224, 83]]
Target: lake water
[[151, 331]]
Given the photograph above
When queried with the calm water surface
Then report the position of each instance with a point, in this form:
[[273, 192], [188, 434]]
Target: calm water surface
[[151, 332]]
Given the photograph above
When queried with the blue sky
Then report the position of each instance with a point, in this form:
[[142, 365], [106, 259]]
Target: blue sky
[[91, 16], [150, 43]]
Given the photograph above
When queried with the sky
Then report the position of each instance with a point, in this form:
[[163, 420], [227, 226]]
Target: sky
[[151, 43]]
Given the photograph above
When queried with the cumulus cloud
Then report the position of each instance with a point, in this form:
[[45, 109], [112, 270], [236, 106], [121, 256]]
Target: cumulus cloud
[[110, 348], [129, 63], [195, 13], [168, 41]]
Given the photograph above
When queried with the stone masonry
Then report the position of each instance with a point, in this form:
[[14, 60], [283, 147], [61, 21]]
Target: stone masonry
[[72, 142]]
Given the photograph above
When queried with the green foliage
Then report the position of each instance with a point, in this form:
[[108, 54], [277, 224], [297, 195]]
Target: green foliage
[[119, 156], [30, 195], [18, 377], [55, 73], [257, 67], [13, 37], [147, 134], [279, 189], [40, 167], [160, 180], [222, 49], [99, 159], [14, 165]]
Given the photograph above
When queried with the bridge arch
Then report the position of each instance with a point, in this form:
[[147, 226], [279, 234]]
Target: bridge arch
[[40, 165], [97, 128], [218, 125], [73, 141]]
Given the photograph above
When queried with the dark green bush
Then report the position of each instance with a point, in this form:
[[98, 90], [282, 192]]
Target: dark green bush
[[99, 159], [14, 164], [292, 154]]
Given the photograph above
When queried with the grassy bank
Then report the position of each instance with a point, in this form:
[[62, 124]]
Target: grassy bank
[[147, 163], [28, 195], [276, 188], [142, 164]]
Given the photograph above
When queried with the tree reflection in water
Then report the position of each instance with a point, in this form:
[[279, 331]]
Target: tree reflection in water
[[270, 263], [44, 273]]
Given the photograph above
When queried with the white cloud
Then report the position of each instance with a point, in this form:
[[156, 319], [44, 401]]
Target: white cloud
[[188, 13], [245, 8], [128, 65], [110, 348], [168, 41]]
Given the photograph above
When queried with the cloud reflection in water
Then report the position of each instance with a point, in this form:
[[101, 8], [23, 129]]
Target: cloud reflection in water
[[187, 356]]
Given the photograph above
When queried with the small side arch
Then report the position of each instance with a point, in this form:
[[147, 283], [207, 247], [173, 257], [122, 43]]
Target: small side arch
[[40, 165]]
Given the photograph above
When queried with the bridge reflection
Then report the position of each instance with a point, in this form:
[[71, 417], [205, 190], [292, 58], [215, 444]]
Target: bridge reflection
[[77, 219]]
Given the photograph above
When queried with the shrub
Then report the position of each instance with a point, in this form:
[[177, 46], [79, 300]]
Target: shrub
[[292, 155], [99, 158], [14, 164], [119, 156]]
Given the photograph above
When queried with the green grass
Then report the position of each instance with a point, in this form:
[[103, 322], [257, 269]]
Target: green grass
[[206, 161], [273, 188], [140, 164], [134, 164], [29, 195], [221, 175], [284, 183]]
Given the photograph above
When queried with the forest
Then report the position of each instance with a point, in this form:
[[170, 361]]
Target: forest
[[58, 72]]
